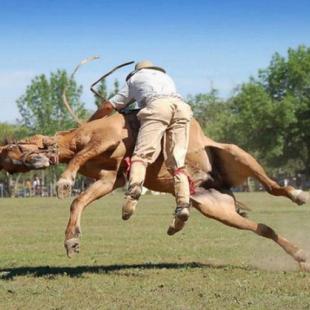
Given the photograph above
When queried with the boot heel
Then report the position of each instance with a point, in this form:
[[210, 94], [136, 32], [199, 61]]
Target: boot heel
[[182, 213]]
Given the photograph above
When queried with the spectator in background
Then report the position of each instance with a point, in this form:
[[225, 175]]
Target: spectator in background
[[36, 186], [285, 182], [28, 188]]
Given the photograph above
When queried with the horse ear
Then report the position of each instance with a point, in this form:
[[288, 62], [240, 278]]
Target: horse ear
[[9, 140]]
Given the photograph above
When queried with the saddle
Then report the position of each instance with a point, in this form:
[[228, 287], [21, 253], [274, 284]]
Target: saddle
[[131, 119]]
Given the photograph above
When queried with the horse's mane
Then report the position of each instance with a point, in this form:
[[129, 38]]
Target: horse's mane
[[64, 132], [35, 139], [31, 140]]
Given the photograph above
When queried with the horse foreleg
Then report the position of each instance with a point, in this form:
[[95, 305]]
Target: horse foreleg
[[221, 207], [97, 190], [67, 178]]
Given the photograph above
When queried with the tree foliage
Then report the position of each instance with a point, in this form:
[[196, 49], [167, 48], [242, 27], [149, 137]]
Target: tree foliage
[[287, 82], [259, 124], [268, 115], [103, 91], [10, 132], [211, 112], [42, 108]]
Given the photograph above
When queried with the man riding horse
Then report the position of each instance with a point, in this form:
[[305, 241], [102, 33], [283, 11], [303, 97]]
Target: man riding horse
[[162, 113]]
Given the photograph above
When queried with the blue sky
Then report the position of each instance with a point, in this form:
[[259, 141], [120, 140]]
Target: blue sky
[[200, 43]]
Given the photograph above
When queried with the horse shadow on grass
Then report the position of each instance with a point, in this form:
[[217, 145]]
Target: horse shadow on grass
[[121, 269]]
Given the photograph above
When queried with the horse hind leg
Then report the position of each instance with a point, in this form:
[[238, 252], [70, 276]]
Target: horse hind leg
[[298, 196], [245, 162], [221, 207]]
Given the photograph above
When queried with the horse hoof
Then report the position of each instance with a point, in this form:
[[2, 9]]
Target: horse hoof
[[300, 256], [304, 267], [64, 188], [72, 246], [300, 197], [175, 226]]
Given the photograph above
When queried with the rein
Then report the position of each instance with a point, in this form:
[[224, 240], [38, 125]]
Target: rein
[[106, 75], [50, 150]]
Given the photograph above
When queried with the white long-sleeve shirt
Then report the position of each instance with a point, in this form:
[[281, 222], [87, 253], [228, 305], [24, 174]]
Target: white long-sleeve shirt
[[144, 86]]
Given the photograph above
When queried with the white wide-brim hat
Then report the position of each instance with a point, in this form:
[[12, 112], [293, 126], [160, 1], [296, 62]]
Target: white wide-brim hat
[[144, 64]]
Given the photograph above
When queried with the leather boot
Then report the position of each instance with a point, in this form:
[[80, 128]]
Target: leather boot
[[182, 211], [182, 196], [136, 179]]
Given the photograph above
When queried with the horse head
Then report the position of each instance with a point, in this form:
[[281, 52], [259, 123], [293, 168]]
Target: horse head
[[28, 154]]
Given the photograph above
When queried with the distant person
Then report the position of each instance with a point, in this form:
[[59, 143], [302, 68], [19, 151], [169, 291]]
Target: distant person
[[28, 188], [299, 180], [36, 185], [285, 182]]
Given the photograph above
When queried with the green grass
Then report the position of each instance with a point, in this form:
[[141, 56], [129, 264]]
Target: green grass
[[135, 265]]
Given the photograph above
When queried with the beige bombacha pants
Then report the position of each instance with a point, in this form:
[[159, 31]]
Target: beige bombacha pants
[[168, 115]]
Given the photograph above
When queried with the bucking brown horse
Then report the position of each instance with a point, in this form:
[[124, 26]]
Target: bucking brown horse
[[98, 149]]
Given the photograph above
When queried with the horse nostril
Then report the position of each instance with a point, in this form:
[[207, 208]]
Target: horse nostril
[[53, 160]]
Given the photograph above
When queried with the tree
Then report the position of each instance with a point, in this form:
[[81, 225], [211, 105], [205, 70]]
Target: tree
[[269, 115], [116, 88], [212, 113], [258, 123], [12, 132], [103, 91], [287, 82], [42, 108]]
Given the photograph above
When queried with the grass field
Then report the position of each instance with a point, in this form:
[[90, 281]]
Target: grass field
[[135, 265]]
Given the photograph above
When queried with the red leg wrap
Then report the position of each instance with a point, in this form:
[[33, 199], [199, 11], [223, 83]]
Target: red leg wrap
[[191, 183]]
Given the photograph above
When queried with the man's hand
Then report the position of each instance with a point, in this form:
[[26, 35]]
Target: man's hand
[[107, 108], [104, 110]]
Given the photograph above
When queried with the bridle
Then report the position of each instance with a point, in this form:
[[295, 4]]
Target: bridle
[[50, 150]]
